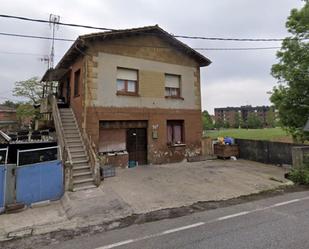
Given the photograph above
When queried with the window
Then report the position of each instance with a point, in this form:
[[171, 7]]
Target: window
[[172, 85], [127, 81], [76, 83], [175, 133]]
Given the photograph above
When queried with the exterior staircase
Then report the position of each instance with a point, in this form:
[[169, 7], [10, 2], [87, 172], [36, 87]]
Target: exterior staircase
[[82, 177]]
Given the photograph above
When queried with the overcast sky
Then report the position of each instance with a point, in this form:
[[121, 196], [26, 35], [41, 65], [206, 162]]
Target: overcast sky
[[234, 78]]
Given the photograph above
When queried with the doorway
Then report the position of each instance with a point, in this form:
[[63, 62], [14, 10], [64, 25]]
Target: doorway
[[137, 145]]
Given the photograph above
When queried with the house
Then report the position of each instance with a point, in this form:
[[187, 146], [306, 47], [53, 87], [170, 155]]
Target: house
[[135, 93], [8, 118]]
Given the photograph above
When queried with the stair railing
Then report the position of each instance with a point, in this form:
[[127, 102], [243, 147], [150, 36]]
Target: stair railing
[[94, 161], [66, 156]]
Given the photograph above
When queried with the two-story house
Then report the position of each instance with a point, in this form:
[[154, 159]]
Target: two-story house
[[135, 93]]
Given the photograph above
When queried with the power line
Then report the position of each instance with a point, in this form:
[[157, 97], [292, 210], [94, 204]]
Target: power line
[[35, 37], [229, 39], [60, 23], [137, 45], [20, 53], [176, 36], [237, 49]]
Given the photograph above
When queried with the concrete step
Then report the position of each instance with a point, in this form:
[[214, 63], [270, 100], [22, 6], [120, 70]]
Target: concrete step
[[71, 135], [74, 140], [81, 168], [71, 131], [83, 186], [80, 174], [76, 147], [79, 162], [65, 120], [77, 150], [81, 178], [70, 127], [80, 157], [88, 179]]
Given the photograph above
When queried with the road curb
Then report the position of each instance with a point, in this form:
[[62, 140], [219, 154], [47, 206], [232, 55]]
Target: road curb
[[73, 229]]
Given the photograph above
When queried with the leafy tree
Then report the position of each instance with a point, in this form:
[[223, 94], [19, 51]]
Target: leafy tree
[[219, 124], [291, 96], [25, 114], [207, 121], [10, 103], [237, 120], [254, 121], [271, 119], [31, 89]]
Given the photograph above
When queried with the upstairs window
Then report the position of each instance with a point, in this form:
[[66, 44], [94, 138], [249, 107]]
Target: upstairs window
[[76, 83], [127, 82], [175, 134], [172, 85]]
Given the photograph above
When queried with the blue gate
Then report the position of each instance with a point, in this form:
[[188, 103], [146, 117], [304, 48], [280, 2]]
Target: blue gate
[[39, 181], [3, 160], [2, 187]]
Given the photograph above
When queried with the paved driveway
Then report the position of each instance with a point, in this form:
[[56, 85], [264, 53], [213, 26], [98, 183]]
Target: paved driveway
[[153, 187]]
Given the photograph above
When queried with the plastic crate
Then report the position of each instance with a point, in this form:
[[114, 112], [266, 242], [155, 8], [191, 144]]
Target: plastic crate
[[107, 171]]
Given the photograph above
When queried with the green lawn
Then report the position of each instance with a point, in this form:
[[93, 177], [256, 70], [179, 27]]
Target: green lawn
[[272, 134]]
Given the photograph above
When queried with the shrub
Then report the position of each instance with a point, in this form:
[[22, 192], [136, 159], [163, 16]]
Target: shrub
[[299, 176]]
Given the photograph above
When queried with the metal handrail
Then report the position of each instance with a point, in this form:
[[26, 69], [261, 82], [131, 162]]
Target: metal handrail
[[58, 124], [95, 163]]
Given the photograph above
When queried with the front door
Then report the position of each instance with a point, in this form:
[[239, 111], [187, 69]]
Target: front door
[[137, 145]]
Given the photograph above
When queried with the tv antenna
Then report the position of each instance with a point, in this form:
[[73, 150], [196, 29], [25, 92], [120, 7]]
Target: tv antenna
[[54, 24]]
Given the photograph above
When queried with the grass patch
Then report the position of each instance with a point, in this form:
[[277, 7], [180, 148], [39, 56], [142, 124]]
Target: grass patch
[[270, 134]]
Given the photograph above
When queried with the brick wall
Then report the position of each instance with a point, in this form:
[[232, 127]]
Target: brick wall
[[158, 150]]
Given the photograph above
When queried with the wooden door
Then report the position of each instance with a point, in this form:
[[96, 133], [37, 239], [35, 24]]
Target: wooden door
[[137, 145]]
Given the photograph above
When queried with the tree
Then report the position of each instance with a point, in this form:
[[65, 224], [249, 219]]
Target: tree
[[271, 119], [207, 121], [10, 103], [254, 121], [237, 120], [219, 124], [31, 89], [25, 114], [291, 96]]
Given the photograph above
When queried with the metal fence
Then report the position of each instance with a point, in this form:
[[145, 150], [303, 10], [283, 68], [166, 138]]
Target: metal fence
[[3, 156], [39, 155]]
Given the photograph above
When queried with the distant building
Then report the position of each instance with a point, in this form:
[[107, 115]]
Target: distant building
[[8, 118], [229, 115]]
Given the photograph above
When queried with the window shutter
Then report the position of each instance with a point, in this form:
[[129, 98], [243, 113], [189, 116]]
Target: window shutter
[[126, 74], [172, 81]]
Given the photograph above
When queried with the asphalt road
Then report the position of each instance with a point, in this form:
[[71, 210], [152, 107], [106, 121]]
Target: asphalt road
[[281, 222]]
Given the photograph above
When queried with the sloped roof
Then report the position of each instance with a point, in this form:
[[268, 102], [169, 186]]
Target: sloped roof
[[4, 108], [79, 46]]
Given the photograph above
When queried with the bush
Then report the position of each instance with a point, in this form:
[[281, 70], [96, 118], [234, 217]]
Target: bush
[[299, 176]]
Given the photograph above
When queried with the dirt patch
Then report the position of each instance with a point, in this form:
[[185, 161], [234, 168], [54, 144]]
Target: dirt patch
[[169, 213]]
